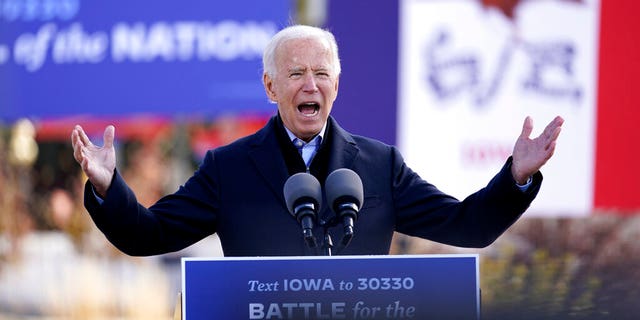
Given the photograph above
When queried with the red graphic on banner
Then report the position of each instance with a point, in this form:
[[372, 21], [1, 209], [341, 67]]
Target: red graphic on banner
[[508, 7]]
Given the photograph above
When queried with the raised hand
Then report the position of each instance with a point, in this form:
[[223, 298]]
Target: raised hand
[[529, 155], [98, 163]]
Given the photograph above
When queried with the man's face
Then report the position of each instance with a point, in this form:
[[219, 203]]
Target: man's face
[[305, 85]]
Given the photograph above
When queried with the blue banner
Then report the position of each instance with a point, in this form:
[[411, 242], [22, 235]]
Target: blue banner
[[366, 104], [68, 57], [376, 287]]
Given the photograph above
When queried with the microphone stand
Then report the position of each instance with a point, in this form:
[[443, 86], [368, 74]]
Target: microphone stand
[[327, 244]]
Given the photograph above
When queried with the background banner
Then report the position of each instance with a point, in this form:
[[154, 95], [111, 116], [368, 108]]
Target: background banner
[[70, 57], [469, 75]]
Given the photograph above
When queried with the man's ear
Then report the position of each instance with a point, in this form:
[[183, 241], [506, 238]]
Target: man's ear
[[268, 87]]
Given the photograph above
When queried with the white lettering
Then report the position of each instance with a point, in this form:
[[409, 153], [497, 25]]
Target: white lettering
[[160, 42], [75, 45], [31, 50], [274, 311], [292, 310], [308, 285], [139, 43], [184, 40], [226, 42], [127, 42], [256, 311], [337, 310], [255, 285], [43, 10]]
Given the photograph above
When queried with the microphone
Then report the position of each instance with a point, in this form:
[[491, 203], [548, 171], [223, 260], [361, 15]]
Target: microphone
[[303, 196], [345, 195]]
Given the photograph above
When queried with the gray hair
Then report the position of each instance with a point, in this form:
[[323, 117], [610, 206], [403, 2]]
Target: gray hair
[[297, 32]]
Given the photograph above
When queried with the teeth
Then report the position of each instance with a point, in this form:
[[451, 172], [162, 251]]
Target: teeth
[[306, 111]]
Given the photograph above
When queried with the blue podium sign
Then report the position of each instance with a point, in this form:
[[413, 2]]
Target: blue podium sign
[[346, 287]]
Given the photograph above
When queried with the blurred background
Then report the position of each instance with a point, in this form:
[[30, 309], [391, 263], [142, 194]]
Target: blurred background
[[448, 82]]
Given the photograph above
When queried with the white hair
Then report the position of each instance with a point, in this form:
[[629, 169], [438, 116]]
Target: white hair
[[297, 32]]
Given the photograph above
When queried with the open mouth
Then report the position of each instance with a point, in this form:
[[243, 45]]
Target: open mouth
[[309, 109]]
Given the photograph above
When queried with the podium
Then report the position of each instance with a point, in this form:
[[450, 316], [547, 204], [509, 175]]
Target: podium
[[338, 287]]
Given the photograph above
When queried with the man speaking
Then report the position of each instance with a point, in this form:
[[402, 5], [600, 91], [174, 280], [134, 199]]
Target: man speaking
[[237, 192]]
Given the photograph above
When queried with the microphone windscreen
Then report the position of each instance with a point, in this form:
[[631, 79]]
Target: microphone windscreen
[[344, 184], [302, 186]]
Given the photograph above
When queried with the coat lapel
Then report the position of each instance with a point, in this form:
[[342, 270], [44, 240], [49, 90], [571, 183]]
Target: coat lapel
[[268, 159], [344, 150]]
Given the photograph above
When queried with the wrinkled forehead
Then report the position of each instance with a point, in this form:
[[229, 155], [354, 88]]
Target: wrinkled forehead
[[312, 50]]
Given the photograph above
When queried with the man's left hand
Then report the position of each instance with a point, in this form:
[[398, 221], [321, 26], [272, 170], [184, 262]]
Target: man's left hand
[[529, 155]]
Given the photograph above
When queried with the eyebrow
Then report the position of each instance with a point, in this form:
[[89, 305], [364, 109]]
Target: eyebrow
[[294, 69], [314, 69]]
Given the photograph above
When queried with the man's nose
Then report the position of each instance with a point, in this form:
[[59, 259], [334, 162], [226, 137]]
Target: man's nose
[[310, 84]]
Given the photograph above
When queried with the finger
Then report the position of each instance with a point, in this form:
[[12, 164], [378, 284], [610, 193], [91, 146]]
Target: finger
[[527, 127], [556, 133], [85, 166], [109, 134], [550, 129], [550, 150], [74, 137], [559, 120], [77, 153], [547, 154], [77, 146], [553, 137], [83, 136]]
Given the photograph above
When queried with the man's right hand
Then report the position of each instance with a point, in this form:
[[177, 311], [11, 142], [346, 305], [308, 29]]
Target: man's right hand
[[98, 163]]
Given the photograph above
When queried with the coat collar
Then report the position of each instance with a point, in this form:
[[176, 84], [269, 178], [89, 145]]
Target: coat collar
[[267, 157]]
